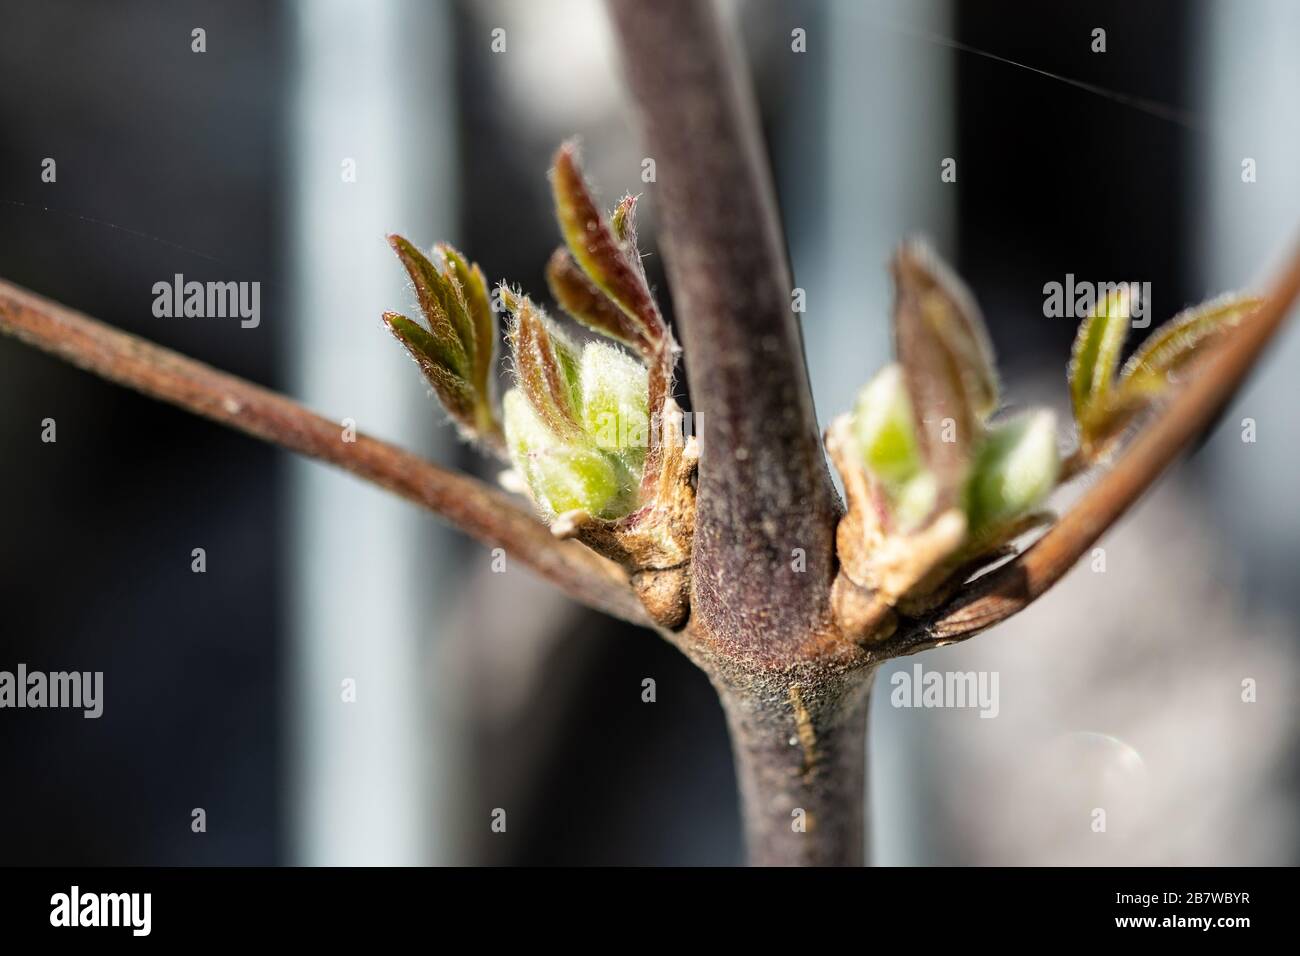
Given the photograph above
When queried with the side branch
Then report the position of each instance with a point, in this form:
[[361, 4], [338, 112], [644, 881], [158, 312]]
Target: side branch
[[477, 509], [1006, 591], [764, 489]]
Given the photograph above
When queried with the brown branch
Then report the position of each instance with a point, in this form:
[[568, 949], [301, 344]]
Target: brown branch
[[801, 769], [477, 509], [764, 489], [1011, 588]]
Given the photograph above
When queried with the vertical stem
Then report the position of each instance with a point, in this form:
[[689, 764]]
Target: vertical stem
[[765, 495], [801, 767]]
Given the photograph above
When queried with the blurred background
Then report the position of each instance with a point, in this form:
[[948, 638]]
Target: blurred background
[[304, 132]]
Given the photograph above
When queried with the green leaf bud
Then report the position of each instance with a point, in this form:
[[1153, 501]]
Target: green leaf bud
[[1016, 467], [884, 429], [562, 476], [615, 402]]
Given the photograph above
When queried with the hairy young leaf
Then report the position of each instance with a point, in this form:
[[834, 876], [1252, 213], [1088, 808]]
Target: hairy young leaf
[[545, 365], [456, 349], [456, 395], [623, 221], [478, 308], [947, 363], [614, 268], [437, 305], [1180, 342], [585, 301], [1094, 359]]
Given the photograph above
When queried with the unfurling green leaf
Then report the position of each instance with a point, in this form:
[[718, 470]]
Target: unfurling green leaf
[[615, 403], [1016, 467], [564, 476], [1105, 404], [433, 296], [455, 348], [947, 363], [1181, 341], [546, 366], [482, 322], [455, 393], [608, 258], [1093, 362]]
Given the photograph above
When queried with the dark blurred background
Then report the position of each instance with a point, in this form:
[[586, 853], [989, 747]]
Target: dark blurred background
[[477, 691]]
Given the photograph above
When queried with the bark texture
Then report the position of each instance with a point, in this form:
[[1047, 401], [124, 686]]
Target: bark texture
[[801, 767], [766, 508]]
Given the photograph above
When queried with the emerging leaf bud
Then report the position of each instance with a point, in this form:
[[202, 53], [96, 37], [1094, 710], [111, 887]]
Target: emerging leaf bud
[[615, 402], [546, 365], [947, 361], [914, 501], [1104, 404], [1016, 467], [456, 345], [605, 253], [564, 477], [884, 429], [1093, 361]]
